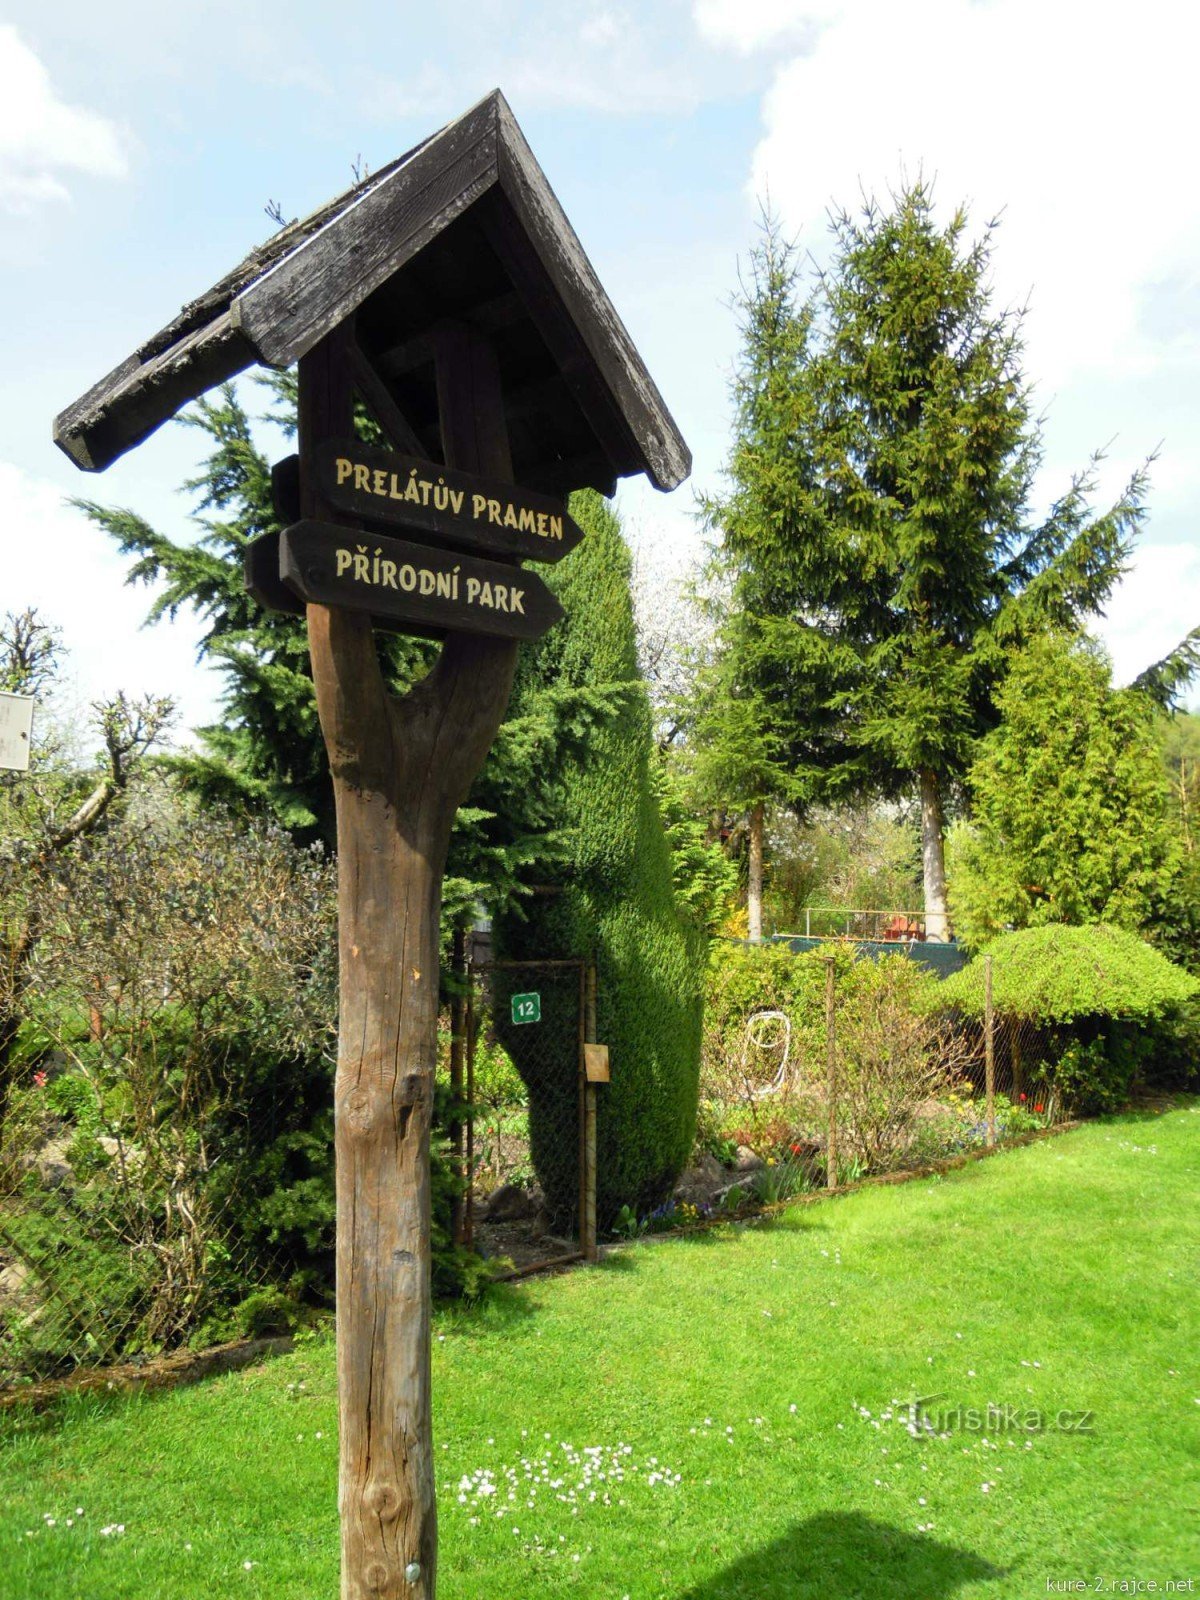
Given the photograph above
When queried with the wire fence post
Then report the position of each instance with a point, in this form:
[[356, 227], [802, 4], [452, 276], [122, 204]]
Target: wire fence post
[[989, 1050], [469, 1030], [458, 1043], [587, 1223], [831, 1172]]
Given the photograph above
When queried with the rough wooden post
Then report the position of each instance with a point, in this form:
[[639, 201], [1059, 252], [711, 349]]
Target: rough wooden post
[[400, 770], [989, 1051], [831, 1158], [587, 1230]]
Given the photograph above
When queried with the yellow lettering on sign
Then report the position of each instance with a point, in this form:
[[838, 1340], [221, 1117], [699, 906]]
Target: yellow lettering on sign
[[344, 468]]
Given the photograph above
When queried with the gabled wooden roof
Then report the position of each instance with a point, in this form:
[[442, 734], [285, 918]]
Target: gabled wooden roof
[[464, 227]]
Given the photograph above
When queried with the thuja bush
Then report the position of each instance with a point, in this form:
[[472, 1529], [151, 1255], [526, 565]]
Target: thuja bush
[[1113, 1011], [612, 899]]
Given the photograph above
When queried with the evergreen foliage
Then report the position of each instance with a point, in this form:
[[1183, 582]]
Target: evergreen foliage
[[1059, 973], [875, 531], [265, 755], [1069, 801], [613, 900]]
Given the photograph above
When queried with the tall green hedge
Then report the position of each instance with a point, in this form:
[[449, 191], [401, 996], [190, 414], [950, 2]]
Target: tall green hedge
[[611, 899]]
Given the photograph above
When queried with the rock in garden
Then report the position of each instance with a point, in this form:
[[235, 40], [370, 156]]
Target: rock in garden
[[746, 1160], [701, 1181], [511, 1203], [52, 1166], [13, 1280]]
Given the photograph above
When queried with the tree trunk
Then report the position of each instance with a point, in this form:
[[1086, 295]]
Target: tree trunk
[[754, 894], [933, 857], [400, 770]]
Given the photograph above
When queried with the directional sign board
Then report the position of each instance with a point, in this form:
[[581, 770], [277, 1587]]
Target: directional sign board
[[413, 583], [456, 507], [527, 1008], [16, 726]]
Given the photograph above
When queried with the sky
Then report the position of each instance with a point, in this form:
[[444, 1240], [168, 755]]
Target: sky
[[139, 145]]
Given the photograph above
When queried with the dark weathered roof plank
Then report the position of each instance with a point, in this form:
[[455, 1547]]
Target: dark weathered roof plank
[[394, 248], [286, 311]]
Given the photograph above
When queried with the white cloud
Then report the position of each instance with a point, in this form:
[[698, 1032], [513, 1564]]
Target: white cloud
[[1157, 603], [750, 25], [42, 136], [1077, 126], [56, 561]]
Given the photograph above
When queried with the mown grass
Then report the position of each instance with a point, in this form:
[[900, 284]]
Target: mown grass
[[1060, 1276]]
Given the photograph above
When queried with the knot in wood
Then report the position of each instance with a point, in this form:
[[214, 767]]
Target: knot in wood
[[383, 1499], [356, 1108], [377, 1577]]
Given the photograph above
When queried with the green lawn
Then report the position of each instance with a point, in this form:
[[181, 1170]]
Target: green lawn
[[721, 1383]]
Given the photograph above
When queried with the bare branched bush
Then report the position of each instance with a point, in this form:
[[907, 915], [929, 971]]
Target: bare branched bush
[[892, 1061], [185, 957]]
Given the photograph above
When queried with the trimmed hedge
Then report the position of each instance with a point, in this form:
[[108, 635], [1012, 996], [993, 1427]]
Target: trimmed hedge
[[613, 899], [1057, 973]]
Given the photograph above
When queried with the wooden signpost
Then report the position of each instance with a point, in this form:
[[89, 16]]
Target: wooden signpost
[[448, 295]]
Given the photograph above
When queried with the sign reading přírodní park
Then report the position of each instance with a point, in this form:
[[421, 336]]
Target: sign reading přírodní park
[[414, 583]]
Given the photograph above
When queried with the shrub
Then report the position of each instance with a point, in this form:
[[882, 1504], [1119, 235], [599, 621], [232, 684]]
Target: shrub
[[614, 901], [1111, 1007], [893, 1056], [188, 983], [1058, 973], [894, 1050]]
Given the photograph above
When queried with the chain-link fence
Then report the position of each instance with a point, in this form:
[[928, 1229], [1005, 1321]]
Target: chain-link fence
[[830, 1067], [112, 1250], [1007, 1057], [525, 1141]]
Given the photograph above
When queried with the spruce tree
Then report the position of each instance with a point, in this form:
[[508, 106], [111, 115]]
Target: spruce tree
[[876, 528], [745, 756]]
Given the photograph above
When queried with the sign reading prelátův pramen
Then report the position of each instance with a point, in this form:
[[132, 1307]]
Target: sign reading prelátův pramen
[[380, 486], [413, 583]]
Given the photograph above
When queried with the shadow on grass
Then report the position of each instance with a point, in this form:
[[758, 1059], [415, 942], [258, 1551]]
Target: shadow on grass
[[845, 1555]]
